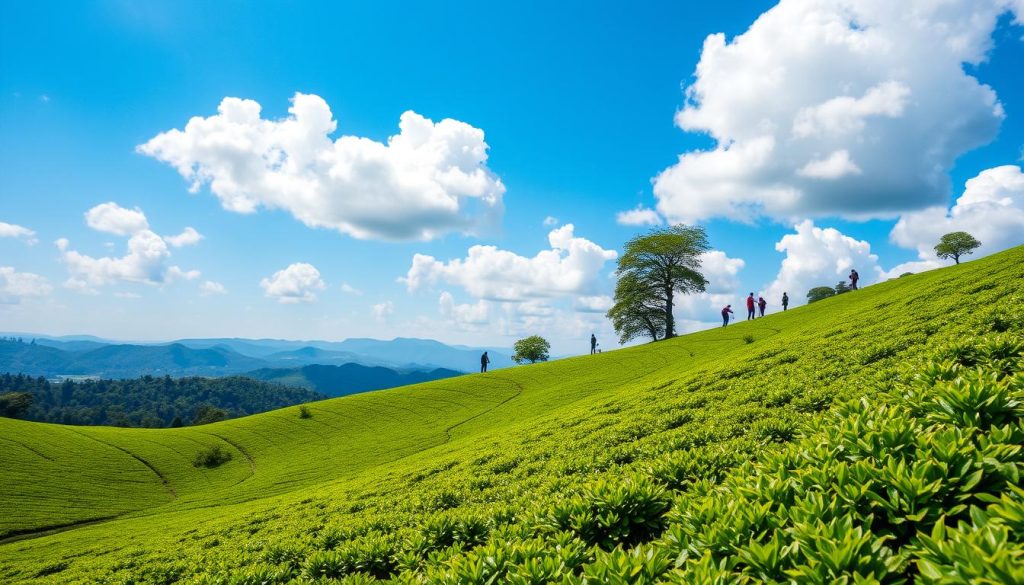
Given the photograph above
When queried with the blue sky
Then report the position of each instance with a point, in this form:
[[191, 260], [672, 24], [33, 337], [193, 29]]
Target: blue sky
[[577, 103]]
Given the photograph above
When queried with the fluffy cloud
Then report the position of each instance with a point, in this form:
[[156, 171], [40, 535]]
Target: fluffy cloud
[[212, 288], [297, 283], [15, 286], [381, 311], [594, 304], [819, 257], [145, 261], [991, 209], [464, 316], [427, 180], [188, 237], [638, 216], [10, 230], [571, 266], [111, 218], [855, 108]]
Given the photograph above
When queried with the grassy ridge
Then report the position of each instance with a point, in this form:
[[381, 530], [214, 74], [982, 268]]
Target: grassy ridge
[[408, 481]]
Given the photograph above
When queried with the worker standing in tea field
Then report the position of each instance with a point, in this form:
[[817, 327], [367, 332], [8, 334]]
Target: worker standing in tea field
[[750, 307], [761, 304], [725, 315], [854, 277], [785, 301], [484, 360], [593, 344]]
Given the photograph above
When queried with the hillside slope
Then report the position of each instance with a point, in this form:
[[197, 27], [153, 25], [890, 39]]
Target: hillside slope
[[405, 481]]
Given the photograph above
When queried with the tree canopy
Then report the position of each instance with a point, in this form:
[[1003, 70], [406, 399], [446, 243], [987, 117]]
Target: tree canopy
[[532, 349], [654, 268], [820, 292], [956, 244]]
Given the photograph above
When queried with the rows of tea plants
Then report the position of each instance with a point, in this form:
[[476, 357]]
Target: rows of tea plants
[[873, 437]]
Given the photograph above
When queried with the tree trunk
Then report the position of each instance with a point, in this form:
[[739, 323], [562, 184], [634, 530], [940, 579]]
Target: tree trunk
[[956, 258], [670, 324]]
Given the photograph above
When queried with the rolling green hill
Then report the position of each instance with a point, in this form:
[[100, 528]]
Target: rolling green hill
[[732, 455]]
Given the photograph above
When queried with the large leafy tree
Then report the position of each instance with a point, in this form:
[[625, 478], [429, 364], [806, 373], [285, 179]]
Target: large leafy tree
[[956, 244], [653, 269], [636, 312], [532, 349]]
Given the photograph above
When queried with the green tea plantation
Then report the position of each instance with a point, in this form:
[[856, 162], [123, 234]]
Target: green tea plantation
[[873, 437]]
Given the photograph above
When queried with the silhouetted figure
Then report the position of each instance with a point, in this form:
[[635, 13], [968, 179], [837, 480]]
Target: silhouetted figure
[[593, 344], [761, 304], [726, 311], [484, 360], [785, 301], [750, 307], [854, 277]]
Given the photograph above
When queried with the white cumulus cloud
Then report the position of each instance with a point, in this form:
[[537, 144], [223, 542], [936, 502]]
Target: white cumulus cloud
[[466, 315], [381, 311], [211, 287], [570, 266], [188, 237], [819, 257], [15, 286], [298, 283], [991, 209], [427, 180], [146, 260], [111, 218], [10, 230], [852, 108], [638, 216]]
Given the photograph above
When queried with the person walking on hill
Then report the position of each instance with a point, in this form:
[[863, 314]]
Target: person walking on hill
[[785, 301], [593, 344], [726, 311], [750, 307], [484, 360], [854, 277], [761, 304]]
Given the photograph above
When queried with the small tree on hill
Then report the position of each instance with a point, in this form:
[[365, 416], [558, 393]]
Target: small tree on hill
[[15, 404], [956, 244], [820, 292], [532, 349], [652, 270], [842, 287]]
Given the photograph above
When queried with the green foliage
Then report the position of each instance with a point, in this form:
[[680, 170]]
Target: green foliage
[[858, 442], [956, 244], [210, 457], [207, 414], [820, 292], [842, 287], [531, 349], [652, 269], [144, 402], [304, 412], [15, 404]]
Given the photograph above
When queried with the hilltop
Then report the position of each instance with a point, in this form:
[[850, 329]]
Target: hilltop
[[876, 433]]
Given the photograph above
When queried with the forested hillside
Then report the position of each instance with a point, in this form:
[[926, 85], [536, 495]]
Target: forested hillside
[[145, 402]]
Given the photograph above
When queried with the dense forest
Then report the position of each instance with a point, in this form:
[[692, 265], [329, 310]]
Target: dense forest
[[143, 402]]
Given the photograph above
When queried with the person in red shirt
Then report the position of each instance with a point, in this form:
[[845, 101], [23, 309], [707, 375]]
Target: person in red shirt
[[725, 315], [750, 307], [854, 277]]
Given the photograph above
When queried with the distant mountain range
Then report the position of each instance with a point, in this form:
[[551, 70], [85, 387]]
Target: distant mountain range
[[383, 361]]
